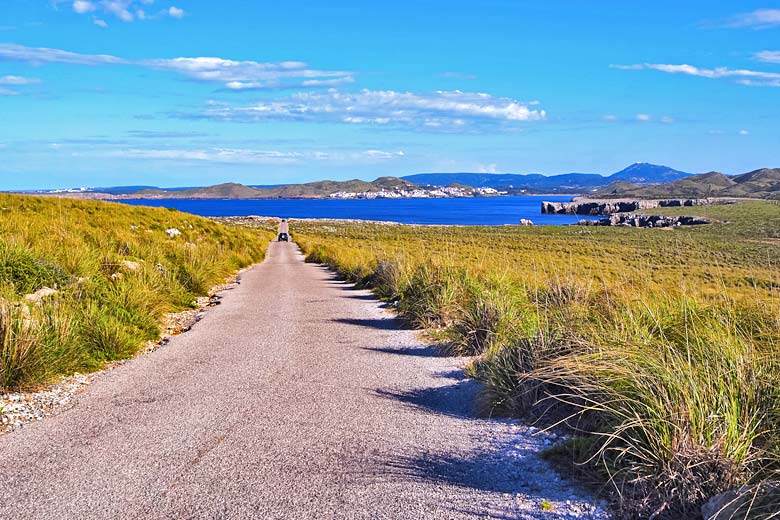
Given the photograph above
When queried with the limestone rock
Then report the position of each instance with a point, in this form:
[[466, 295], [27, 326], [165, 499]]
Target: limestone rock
[[40, 295]]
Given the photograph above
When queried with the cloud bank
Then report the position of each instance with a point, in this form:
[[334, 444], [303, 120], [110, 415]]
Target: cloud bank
[[758, 19], [248, 156], [741, 76], [439, 111], [232, 74], [124, 10]]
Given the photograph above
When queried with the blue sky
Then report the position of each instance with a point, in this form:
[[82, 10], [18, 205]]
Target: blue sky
[[186, 92]]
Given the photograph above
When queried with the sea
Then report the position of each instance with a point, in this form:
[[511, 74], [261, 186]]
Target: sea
[[474, 211]]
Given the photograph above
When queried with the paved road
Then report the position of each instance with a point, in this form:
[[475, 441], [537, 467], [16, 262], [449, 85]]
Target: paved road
[[297, 397]]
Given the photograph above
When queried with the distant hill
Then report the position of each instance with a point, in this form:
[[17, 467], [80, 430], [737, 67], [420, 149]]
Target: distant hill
[[763, 183], [638, 173], [645, 173], [233, 190], [630, 179]]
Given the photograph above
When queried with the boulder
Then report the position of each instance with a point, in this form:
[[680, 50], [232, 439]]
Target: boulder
[[173, 232]]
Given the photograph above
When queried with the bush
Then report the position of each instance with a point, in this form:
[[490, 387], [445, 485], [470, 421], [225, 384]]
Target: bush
[[27, 273], [430, 297], [681, 416]]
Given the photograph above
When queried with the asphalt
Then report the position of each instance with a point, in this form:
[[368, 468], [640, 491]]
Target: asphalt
[[296, 397]]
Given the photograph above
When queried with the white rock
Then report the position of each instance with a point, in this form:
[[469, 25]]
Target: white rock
[[173, 232], [40, 294], [130, 265]]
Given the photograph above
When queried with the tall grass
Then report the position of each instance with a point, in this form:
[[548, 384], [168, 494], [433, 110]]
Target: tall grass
[[116, 273], [658, 350]]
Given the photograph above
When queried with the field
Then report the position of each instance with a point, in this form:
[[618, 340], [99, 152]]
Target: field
[[83, 283], [656, 349]]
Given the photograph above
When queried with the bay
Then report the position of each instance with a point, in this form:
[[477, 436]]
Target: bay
[[481, 211]]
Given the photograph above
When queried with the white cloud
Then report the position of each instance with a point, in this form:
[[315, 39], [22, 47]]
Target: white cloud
[[39, 55], [125, 10], [234, 75], [758, 19], [639, 118], [83, 6], [437, 111], [741, 76], [487, 168], [768, 56], [721, 132], [8, 92], [100, 23], [18, 80], [246, 156]]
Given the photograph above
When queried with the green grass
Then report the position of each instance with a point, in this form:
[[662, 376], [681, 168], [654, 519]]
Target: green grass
[[116, 272], [658, 349]]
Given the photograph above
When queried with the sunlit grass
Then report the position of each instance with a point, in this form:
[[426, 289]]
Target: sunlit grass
[[116, 272], [658, 349]]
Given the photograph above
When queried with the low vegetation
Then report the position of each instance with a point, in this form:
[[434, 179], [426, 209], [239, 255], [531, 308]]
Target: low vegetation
[[82, 283], [759, 184], [657, 349]]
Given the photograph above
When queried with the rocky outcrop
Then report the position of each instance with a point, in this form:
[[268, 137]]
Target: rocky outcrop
[[609, 207], [645, 221]]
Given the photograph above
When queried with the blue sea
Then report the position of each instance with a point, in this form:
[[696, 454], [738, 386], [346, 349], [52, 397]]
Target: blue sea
[[482, 211]]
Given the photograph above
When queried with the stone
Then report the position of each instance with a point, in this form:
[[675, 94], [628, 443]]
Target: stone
[[721, 506], [173, 232], [130, 265], [40, 295], [526, 222], [608, 207]]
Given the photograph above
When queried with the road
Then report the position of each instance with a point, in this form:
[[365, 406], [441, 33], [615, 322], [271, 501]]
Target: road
[[284, 227], [297, 397]]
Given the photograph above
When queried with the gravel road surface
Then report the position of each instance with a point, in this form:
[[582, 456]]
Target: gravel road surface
[[298, 397]]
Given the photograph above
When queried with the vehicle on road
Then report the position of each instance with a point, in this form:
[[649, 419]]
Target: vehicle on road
[[283, 237]]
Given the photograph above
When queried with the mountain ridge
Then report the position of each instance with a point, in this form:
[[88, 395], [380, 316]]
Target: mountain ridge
[[763, 183], [642, 180]]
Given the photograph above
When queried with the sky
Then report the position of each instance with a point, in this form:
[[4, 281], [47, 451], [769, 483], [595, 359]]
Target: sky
[[195, 92]]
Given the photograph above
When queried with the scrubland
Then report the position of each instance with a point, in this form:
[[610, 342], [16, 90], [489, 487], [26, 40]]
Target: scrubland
[[84, 282], [656, 350]]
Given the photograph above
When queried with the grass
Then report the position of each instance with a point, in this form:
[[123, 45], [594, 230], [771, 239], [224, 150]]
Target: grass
[[116, 272], [658, 349]]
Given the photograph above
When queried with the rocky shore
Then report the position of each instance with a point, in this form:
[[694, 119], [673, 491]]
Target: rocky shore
[[593, 207], [645, 221]]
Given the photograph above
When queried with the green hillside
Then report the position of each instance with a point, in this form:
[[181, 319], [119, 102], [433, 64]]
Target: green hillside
[[317, 189], [762, 184], [84, 282]]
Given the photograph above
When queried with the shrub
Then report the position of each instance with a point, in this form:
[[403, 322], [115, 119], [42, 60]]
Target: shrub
[[680, 417], [27, 273], [430, 297]]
